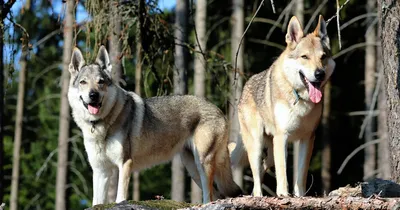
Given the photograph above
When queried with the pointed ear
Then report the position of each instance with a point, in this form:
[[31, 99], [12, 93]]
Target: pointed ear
[[77, 61], [103, 59], [321, 32], [294, 31]]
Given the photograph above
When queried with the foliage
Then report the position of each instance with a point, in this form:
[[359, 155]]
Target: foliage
[[38, 159]]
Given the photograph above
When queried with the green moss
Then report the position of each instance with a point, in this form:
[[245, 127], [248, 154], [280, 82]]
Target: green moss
[[158, 204]]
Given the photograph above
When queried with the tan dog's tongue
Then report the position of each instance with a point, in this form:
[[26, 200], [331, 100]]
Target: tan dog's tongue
[[93, 110], [314, 93]]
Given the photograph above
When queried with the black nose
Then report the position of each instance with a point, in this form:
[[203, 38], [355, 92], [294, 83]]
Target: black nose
[[94, 95], [319, 74]]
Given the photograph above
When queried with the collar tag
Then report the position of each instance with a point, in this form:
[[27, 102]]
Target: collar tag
[[296, 94], [93, 126]]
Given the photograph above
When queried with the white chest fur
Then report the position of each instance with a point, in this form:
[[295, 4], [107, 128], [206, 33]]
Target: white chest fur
[[299, 120], [104, 152]]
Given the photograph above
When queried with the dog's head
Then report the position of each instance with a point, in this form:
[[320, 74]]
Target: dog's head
[[91, 86], [308, 63]]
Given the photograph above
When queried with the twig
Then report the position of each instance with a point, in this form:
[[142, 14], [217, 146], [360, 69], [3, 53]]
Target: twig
[[372, 105], [338, 23], [341, 7], [244, 33], [265, 187], [376, 141], [358, 113], [7, 8], [287, 9], [312, 182], [268, 43], [314, 15], [352, 47], [273, 6], [351, 21]]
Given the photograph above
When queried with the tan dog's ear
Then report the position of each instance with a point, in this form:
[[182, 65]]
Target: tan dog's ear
[[321, 32], [294, 32], [77, 61]]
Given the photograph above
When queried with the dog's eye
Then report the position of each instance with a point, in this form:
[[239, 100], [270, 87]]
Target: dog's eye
[[323, 56], [101, 81], [304, 57], [83, 82]]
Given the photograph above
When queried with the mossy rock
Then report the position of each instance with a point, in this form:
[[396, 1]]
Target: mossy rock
[[149, 204]]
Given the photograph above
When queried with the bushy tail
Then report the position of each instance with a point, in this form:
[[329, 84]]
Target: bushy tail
[[223, 177]]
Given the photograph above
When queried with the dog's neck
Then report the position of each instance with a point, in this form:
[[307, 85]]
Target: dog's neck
[[94, 122]]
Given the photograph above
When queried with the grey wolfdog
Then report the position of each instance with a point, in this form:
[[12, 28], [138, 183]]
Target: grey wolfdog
[[123, 131]]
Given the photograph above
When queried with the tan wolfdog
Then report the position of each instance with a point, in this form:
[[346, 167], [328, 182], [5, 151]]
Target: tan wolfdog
[[283, 104], [125, 132]]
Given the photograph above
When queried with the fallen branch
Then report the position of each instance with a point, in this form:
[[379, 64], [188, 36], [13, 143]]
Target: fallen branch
[[335, 202]]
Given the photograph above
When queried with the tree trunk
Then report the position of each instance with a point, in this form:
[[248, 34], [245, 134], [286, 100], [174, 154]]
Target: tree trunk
[[180, 88], [115, 44], [18, 129], [299, 13], [326, 141], [62, 161], [1, 102], [117, 76], [200, 65], [390, 24], [236, 80], [370, 66], [383, 147], [138, 79]]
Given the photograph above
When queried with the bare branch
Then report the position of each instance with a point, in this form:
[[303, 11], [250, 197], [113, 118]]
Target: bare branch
[[314, 15], [244, 33], [341, 7], [273, 6], [268, 43], [357, 18], [372, 105], [286, 10], [361, 147], [7, 8], [338, 23], [352, 47]]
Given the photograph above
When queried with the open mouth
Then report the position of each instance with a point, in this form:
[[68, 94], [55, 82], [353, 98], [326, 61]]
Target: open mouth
[[313, 88], [93, 108]]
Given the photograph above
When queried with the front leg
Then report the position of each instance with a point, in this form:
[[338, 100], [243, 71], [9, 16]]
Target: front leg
[[125, 171], [305, 152], [101, 178], [280, 150]]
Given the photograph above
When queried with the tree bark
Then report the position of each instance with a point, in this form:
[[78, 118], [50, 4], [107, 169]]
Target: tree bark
[[62, 161], [200, 65], [326, 141], [334, 202], [180, 88], [117, 75], [138, 79], [383, 147], [18, 129], [390, 24], [299, 13], [236, 80], [115, 44], [370, 66], [1, 103]]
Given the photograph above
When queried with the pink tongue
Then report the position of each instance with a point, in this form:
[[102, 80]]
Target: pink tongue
[[315, 93], [93, 110]]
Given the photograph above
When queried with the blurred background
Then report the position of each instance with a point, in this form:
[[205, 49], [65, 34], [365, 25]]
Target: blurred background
[[177, 47]]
